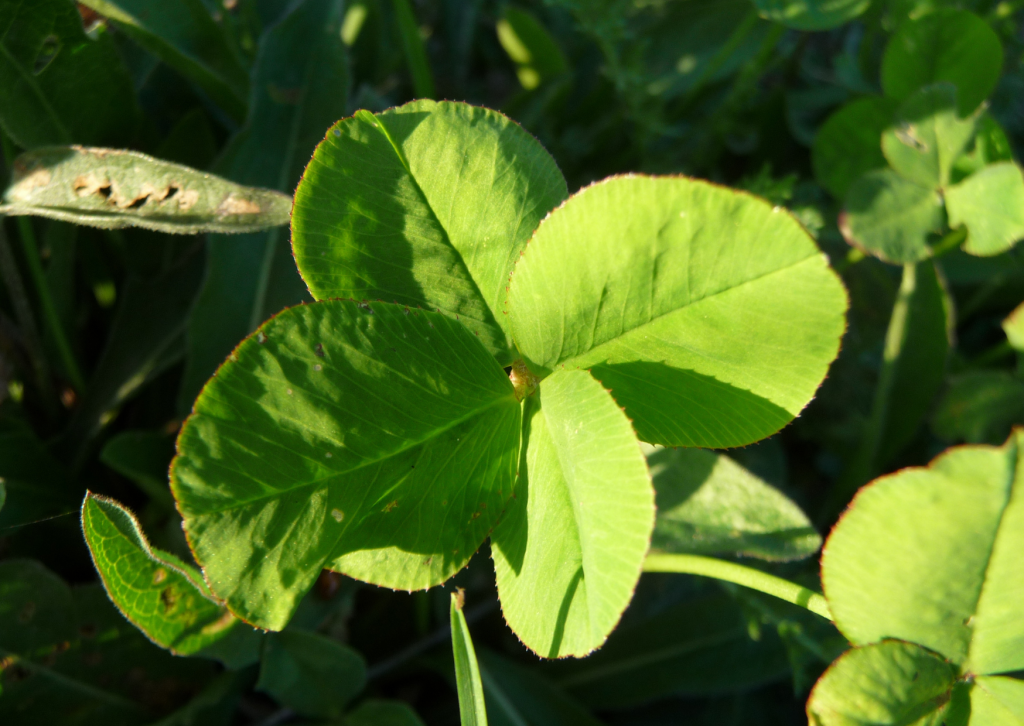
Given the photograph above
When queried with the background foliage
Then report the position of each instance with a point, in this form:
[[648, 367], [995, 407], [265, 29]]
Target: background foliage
[[106, 336]]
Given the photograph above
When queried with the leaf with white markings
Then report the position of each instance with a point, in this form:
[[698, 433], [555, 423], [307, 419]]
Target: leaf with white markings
[[111, 188]]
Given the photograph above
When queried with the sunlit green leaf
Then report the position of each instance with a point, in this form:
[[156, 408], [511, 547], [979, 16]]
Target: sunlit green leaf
[[997, 701], [310, 673], [472, 707], [945, 45], [300, 87], [429, 205], [111, 188], [184, 36], [884, 683], [811, 14], [849, 143], [891, 218], [927, 136], [373, 440], [1013, 326], [711, 316], [932, 556], [990, 203], [569, 549], [164, 597], [57, 84], [709, 504]]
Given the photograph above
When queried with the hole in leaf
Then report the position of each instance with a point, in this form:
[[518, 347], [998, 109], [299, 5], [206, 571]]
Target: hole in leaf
[[47, 52], [171, 191], [137, 203], [104, 191]]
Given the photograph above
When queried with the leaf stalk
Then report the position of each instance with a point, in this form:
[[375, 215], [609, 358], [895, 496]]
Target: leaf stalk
[[740, 575]]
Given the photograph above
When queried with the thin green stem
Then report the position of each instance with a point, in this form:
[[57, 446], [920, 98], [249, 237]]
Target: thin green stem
[[864, 464], [35, 268], [951, 241], [739, 34], [745, 576], [415, 52]]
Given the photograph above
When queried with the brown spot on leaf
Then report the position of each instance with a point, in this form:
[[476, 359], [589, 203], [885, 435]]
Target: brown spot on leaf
[[234, 204], [169, 597], [225, 621], [28, 180]]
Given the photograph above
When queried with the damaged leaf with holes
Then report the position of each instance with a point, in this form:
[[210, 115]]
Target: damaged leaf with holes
[[111, 188]]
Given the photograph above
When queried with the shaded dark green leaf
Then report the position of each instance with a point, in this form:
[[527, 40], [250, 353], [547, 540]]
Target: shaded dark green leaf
[[300, 87], [58, 85], [310, 673]]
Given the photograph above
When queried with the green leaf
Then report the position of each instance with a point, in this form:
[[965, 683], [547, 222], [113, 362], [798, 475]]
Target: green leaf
[[699, 647], [184, 36], [161, 595], [997, 701], [569, 550], [980, 408], [415, 51], [848, 144], [711, 316], [58, 85], [145, 338], [472, 708], [144, 457], [890, 683], [928, 136], [531, 47], [931, 556], [369, 439], [52, 640], [990, 145], [917, 344], [516, 695], [110, 189], [36, 485], [945, 45], [300, 87], [310, 673], [1013, 326], [990, 203], [891, 218], [427, 205], [811, 14], [709, 504], [382, 713]]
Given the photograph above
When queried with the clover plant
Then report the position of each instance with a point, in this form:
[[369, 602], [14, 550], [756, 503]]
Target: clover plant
[[453, 356], [379, 435]]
